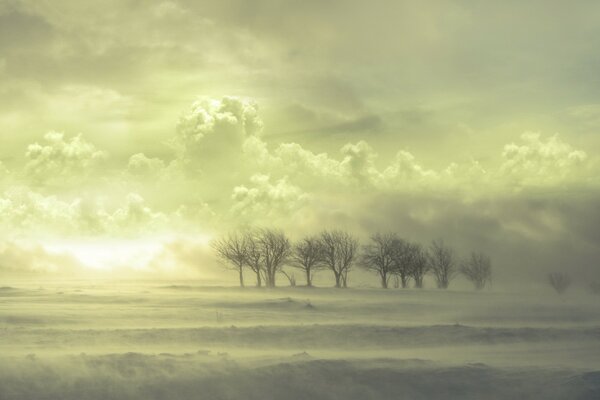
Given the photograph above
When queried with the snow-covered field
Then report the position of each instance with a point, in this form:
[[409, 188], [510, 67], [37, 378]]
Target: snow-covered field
[[91, 340]]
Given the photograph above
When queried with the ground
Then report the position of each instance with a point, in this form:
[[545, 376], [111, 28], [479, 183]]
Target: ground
[[107, 340]]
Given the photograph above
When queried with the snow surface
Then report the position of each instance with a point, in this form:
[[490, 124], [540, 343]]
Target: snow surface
[[93, 340]]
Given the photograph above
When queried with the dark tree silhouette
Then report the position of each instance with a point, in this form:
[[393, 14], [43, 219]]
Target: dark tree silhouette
[[378, 256], [254, 257], [478, 269], [403, 254], [339, 254], [443, 265], [233, 251], [275, 249], [420, 265], [307, 255], [560, 281]]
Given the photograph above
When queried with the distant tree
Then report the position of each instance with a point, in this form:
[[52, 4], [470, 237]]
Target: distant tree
[[478, 269], [378, 256], [339, 254], [420, 265], [403, 253], [233, 251], [275, 249], [254, 257], [442, 262], [307, 255], [560, 281]]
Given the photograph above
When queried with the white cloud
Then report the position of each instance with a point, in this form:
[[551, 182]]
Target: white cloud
[[60, 159], [264, 198], [141, 165], [216, 130], [538, 163]]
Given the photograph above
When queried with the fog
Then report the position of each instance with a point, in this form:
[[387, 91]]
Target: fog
[[184, 340]]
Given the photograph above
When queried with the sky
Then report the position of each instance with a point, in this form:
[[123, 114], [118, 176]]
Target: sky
[[132, 132]]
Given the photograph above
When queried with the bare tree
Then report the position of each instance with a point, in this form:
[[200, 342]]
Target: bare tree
[[443, 265], [403, 253], [478, 269], [420, 265], [233, 251], [339, 253], [254, 257], [275, 249], [378, 256], [560, 281], [307, 255]]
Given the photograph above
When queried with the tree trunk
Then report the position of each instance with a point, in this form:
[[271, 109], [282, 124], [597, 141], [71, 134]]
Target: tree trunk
[[258, 279], [384, 282], [419, 282], [337, 279], [241, 277], [404, 280], [308, 278]]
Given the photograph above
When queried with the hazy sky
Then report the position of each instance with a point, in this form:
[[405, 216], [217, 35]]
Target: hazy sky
[[149, 126]]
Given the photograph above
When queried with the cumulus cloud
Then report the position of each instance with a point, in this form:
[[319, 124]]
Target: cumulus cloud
[[59, 158], [24, 210], [216, 130], [537, 162], [143, 166], [265, 198]]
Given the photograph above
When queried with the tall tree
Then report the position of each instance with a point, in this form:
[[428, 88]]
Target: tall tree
[[420, 265], [339, 254], [254, 257], [442, 262], [232, 249], [478, 269], [403, 253], [378, 256], [307, 255], [275, 249]]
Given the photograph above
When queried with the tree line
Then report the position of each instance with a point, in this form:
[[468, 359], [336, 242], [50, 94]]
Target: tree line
[[395, 260]]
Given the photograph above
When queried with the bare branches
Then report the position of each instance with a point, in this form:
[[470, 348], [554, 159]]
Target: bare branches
[[478, 269], [560, 281], [420, 265], [307, 255], [339, 253], [233, 251], [378, 256], [275, 248], [443, 266]]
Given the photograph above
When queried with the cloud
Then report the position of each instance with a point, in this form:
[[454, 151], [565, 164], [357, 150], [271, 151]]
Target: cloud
[[264, 198], [141, 165], [216, 130], [60, 159], [536, 162], [25, 211]]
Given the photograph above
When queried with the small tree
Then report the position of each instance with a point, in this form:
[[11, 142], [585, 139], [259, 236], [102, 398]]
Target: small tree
[[307, 255], [443, 266], [378, 256], [233, 251], [420, 265], [478, 269], [560, 281], [339, 254]]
